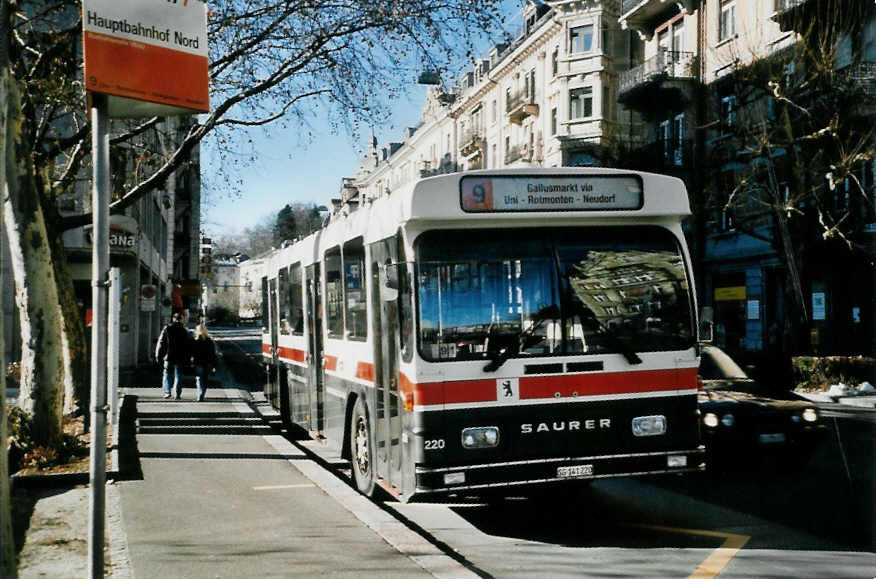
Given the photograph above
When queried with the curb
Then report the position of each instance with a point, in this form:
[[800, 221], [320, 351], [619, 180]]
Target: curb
[[432, 558], [822, 398]]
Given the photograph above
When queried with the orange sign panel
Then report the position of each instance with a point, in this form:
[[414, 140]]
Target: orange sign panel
[[153, 51]]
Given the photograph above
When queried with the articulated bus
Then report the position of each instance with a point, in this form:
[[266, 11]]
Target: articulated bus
[[492, 330]]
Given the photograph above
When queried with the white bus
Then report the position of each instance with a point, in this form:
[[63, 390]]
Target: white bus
[[492, 330]]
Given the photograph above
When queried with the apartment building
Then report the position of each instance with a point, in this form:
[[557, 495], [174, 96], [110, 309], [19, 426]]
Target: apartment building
[[668, 87], [545, 98]]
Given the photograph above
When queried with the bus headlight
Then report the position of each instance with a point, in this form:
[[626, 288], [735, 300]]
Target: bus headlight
[[649, 425], [810, 415], [710, 419], [480, 437], [728, 419]]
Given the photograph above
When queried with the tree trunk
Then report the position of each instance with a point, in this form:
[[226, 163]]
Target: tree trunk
[[36, 294], [8, 567], [77, 384]]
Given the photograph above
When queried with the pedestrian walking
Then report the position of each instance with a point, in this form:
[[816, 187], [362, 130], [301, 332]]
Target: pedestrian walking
[[203, 359], [172, 352]]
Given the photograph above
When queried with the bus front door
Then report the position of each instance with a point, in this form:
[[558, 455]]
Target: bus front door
[[315, 354], [387, 431], [274, 371]]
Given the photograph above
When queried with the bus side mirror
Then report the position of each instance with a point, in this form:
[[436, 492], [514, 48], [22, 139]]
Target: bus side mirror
[[707, 325], [389, 287]]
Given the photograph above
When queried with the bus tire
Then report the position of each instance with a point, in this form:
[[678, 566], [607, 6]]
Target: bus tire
[[361, 455]]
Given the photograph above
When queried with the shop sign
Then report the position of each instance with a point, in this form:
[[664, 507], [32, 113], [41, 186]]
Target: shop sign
[[819, 309], [148, 297], [731, 293]]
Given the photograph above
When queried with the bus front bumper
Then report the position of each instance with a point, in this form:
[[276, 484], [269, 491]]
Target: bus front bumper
[[477, 477]]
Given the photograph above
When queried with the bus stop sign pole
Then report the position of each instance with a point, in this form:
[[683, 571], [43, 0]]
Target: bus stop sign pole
[[99, 301]]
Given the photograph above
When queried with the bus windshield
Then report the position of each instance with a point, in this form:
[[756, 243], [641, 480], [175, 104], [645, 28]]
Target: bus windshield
[[497, 294]]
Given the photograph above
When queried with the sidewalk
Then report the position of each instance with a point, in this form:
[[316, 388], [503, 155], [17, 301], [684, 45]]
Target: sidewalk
[[217, 492]]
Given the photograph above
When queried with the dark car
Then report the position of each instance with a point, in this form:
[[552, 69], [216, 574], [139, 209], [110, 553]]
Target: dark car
[[741, 418]]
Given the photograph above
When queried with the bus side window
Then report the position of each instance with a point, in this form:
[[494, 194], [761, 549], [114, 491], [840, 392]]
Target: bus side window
[[334, 293], [284, 302], [356, 302], [296, 300], [265, 322]]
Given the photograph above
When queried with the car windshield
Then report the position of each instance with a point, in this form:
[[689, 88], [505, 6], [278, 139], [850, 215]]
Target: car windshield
[[552, 291], [716, 365]]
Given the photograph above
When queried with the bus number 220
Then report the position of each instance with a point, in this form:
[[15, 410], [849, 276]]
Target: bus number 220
[[436, 444]]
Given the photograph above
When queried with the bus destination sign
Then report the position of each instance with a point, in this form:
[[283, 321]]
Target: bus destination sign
[[502, 194]]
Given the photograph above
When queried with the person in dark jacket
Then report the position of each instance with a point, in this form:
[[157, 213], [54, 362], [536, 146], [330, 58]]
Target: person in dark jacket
[[173, 351], [203, 358]]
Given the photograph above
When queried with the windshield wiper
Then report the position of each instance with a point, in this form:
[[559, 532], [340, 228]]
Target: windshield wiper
[[519, 341], [587, 315]]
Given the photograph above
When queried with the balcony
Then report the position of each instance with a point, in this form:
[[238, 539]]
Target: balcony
[[513, 154], [643, 15], [519, 106], [471, 141], [668, 70], [442, 169]]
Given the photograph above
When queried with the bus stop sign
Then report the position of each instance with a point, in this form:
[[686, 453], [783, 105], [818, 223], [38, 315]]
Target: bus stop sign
[[150, 58]]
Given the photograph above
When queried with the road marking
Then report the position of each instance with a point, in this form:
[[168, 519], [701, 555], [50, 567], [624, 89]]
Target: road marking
[[279, 487], [720, 557]]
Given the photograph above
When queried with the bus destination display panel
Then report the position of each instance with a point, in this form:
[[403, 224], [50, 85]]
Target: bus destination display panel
[[500, 194]]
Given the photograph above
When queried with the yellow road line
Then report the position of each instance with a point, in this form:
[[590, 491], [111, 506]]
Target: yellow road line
[[720, 557], [279, 487]]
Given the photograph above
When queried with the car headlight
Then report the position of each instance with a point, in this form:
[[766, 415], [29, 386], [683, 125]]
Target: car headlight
[[710, 419], [480, 437], [810, 415], [728, 419]]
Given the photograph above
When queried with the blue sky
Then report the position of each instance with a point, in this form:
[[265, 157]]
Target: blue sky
[[290, 171]]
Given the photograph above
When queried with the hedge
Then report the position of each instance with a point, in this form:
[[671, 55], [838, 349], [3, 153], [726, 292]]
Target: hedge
[[818, 373]]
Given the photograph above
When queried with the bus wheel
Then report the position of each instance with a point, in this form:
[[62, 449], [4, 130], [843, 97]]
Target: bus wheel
[[360, 450]]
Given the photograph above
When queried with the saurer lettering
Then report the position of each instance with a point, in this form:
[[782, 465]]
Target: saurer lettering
[[562, 425]]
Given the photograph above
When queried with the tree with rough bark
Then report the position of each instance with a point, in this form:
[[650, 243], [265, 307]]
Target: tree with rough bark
[[8, 565], [797, 139], [277, 62]]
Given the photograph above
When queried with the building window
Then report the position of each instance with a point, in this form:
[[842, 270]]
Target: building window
[[581, 103], [728, 113], [555, 61], [581, 39], [493, 157], [678, 140], [554, 121], [727, 23], [495, 109]]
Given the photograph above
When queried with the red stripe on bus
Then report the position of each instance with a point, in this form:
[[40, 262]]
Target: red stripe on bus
[[454, 392], [365, 371], [467, 391], [602, 384], [266, 349], [330, 363], [292, 354]]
